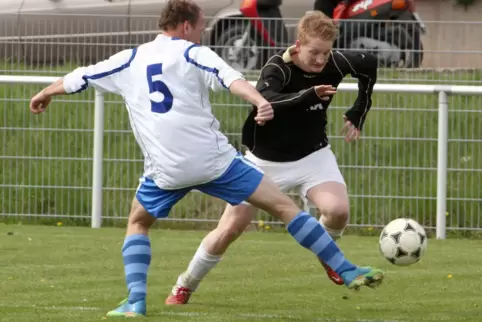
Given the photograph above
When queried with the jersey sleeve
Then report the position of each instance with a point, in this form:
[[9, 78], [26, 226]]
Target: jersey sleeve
[[271, 83], [104, 76], [364, 67], [215, 72]]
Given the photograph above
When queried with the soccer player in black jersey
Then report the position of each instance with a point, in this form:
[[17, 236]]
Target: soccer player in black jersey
[[293, 148]]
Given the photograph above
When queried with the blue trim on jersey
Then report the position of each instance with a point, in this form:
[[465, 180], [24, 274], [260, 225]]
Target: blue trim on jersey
[[213, 70], [107, 73], [234, 186]]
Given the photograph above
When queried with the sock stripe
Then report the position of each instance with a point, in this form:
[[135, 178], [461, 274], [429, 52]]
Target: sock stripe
[[137, 259], [136, 278], [136, 253], [316, 235], [136, 249], [310, 234], [336, 261], [304, 231], [321, 245], [136, 242], [136, 296], [297, 223], [136, 268]]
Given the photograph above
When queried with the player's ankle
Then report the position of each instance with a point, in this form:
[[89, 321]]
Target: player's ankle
[[186, 280]]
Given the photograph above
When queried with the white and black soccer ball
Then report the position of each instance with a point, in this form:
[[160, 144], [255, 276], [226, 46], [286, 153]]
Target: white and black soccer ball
[[403, 242]]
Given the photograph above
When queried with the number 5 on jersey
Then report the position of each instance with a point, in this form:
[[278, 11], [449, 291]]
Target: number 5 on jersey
[[160, 96]]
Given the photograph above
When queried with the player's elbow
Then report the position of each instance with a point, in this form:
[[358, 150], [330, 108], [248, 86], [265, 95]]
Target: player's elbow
[[371, 64], [236, 85]]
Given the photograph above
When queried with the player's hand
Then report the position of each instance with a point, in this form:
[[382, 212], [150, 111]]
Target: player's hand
[[324, 91], [265, 113], [39, 103], [350, 131]]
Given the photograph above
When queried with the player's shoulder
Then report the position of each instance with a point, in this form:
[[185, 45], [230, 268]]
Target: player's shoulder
[[281, 58], [341, 57], [177, 47], [352, 57], [279, 63]]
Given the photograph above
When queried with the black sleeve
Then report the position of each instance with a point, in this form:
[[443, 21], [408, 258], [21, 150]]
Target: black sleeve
[[271, 82], [363, 66]]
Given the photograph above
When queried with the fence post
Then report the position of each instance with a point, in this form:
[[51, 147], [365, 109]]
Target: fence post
[[98, 157], [443, 122]]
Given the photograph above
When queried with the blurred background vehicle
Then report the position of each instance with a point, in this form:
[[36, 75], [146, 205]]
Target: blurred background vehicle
[[54, 31], [390, 29]]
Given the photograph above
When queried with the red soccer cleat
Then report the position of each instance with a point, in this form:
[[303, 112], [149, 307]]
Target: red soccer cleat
[[179, 295], [332, 275]]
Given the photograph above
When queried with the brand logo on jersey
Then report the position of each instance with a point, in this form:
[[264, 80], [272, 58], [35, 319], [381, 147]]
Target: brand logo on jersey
[[309, 76], [362, 5], [316, 107]]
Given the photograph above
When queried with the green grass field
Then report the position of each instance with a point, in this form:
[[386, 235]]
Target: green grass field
[[76, 274], [46, 166]]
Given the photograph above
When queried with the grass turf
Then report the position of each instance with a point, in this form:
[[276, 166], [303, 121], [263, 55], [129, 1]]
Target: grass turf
[[76, 274]]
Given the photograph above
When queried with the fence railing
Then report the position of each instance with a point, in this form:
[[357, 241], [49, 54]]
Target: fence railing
[[442, 139], [57, 42]]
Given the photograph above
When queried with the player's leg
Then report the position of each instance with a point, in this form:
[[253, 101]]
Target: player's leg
[[326, 189], [331, 198], [149, 204], [233, 222], [243, 181]]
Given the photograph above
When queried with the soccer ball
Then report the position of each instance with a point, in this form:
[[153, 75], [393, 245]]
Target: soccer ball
[[403, 242]]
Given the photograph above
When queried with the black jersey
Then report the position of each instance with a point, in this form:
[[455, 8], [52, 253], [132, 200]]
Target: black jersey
[[299, 124]]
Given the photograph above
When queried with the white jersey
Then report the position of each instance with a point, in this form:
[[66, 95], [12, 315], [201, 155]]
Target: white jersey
[[165, 84]]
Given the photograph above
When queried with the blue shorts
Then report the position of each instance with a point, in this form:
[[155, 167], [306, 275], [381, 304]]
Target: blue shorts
[[234, 186]]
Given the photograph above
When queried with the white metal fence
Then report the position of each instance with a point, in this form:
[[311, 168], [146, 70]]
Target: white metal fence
[[419, 157], [32, 39]]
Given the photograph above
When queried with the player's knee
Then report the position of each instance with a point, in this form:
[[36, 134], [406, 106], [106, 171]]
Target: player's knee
[[336, 213], [139, 219]]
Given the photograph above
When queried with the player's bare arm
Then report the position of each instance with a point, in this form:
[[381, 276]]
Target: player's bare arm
[[41, 100], [246, 91], [79, 80], [362, 66], [232, 80]]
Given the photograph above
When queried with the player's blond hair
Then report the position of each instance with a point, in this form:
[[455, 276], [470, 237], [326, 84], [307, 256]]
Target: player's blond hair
[[316, 24]]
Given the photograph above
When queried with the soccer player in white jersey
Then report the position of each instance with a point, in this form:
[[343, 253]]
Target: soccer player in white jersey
[[293, 148], [165, 84]]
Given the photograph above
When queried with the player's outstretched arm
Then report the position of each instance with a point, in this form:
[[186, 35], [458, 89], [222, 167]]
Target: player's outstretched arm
[[105, 76], [363, 66], [218, 75], [245, 90]]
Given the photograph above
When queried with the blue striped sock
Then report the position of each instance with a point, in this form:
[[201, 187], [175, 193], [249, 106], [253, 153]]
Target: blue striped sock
[[137, 257], [309, 233]]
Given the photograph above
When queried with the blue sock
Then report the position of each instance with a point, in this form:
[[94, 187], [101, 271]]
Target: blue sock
[[309, 233], [137, 257]]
